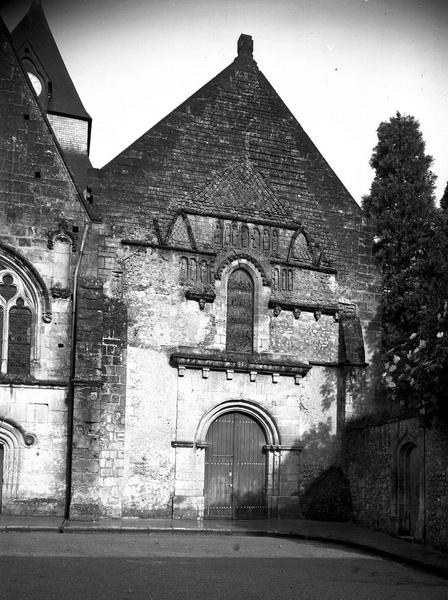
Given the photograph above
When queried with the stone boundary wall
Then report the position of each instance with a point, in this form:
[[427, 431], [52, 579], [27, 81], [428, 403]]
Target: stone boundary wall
[[372, 464]]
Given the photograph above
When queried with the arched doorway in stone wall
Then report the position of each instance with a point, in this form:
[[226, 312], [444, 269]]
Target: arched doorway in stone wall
[[409, 487], [2, 454], [235, 468]]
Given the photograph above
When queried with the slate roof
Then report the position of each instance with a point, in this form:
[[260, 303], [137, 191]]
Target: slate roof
[[34, 30], [28, 146]]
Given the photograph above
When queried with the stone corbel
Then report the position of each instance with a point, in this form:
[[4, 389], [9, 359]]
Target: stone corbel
[[60, 293], [200, 297], [47, 316], [277, 304], [277, 310]]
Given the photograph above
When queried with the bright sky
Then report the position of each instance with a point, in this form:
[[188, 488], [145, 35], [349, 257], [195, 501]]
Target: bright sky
[[341, 66]]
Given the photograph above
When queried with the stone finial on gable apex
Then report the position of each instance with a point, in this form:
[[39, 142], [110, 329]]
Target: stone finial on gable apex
[[245, 46]]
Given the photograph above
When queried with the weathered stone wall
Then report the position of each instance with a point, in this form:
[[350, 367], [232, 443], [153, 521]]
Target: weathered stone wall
[[100, 382], [72, 133], [164, 406], [41, 217], [33, 433], [372, 451]]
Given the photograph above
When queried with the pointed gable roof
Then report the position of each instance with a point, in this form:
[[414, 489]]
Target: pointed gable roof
[[235, 116], [28, 145], [33, 32], [240, 191]]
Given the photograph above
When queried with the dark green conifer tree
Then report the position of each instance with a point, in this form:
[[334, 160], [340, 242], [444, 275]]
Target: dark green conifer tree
[[411, 247], [444, 199], [401, 205]]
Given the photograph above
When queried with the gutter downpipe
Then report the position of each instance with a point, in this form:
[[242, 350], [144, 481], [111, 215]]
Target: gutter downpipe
[[71, 389]]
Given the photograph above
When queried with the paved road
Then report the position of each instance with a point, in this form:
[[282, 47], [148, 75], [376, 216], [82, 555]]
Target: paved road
[[114, 566]]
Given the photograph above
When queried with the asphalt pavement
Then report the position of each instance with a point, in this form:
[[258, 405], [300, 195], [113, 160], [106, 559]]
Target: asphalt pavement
[[42, 565], [350, 535]]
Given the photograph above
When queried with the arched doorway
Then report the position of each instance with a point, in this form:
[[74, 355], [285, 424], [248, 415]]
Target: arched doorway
[[2, 451], [409, 488], [235, 468]]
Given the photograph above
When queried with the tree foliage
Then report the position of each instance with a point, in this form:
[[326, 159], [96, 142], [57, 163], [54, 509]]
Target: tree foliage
[[411, 247], [444, 199]]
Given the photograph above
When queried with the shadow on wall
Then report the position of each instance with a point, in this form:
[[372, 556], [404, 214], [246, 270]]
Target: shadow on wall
[[323, 488], [370, 386], [328, 391], [328, 497]]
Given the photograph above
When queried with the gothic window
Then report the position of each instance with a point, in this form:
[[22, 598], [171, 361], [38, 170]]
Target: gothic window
[[284, 275], [16, 320], [240, 312]]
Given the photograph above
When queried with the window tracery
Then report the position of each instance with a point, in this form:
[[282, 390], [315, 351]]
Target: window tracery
[[16, 322]]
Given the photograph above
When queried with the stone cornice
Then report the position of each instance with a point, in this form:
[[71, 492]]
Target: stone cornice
[[262, 364]]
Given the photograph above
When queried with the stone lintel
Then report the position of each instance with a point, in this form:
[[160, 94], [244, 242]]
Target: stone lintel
[[325, 309], [200, 297]]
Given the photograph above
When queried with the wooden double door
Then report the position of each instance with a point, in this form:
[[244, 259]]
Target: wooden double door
[[235, 468]]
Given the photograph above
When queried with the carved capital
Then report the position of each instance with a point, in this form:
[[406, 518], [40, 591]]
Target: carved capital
[[61, 235]]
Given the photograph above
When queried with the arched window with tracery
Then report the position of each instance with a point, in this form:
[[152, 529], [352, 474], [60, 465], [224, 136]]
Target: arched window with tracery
[[240, 312], [16, 322]]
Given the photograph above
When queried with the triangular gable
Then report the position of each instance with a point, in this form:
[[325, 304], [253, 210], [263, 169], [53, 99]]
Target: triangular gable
[[300, 250], [180, 233], [240, 190], [235, 115]]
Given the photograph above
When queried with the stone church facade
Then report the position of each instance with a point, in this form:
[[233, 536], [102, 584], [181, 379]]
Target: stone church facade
[[182, 331]]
